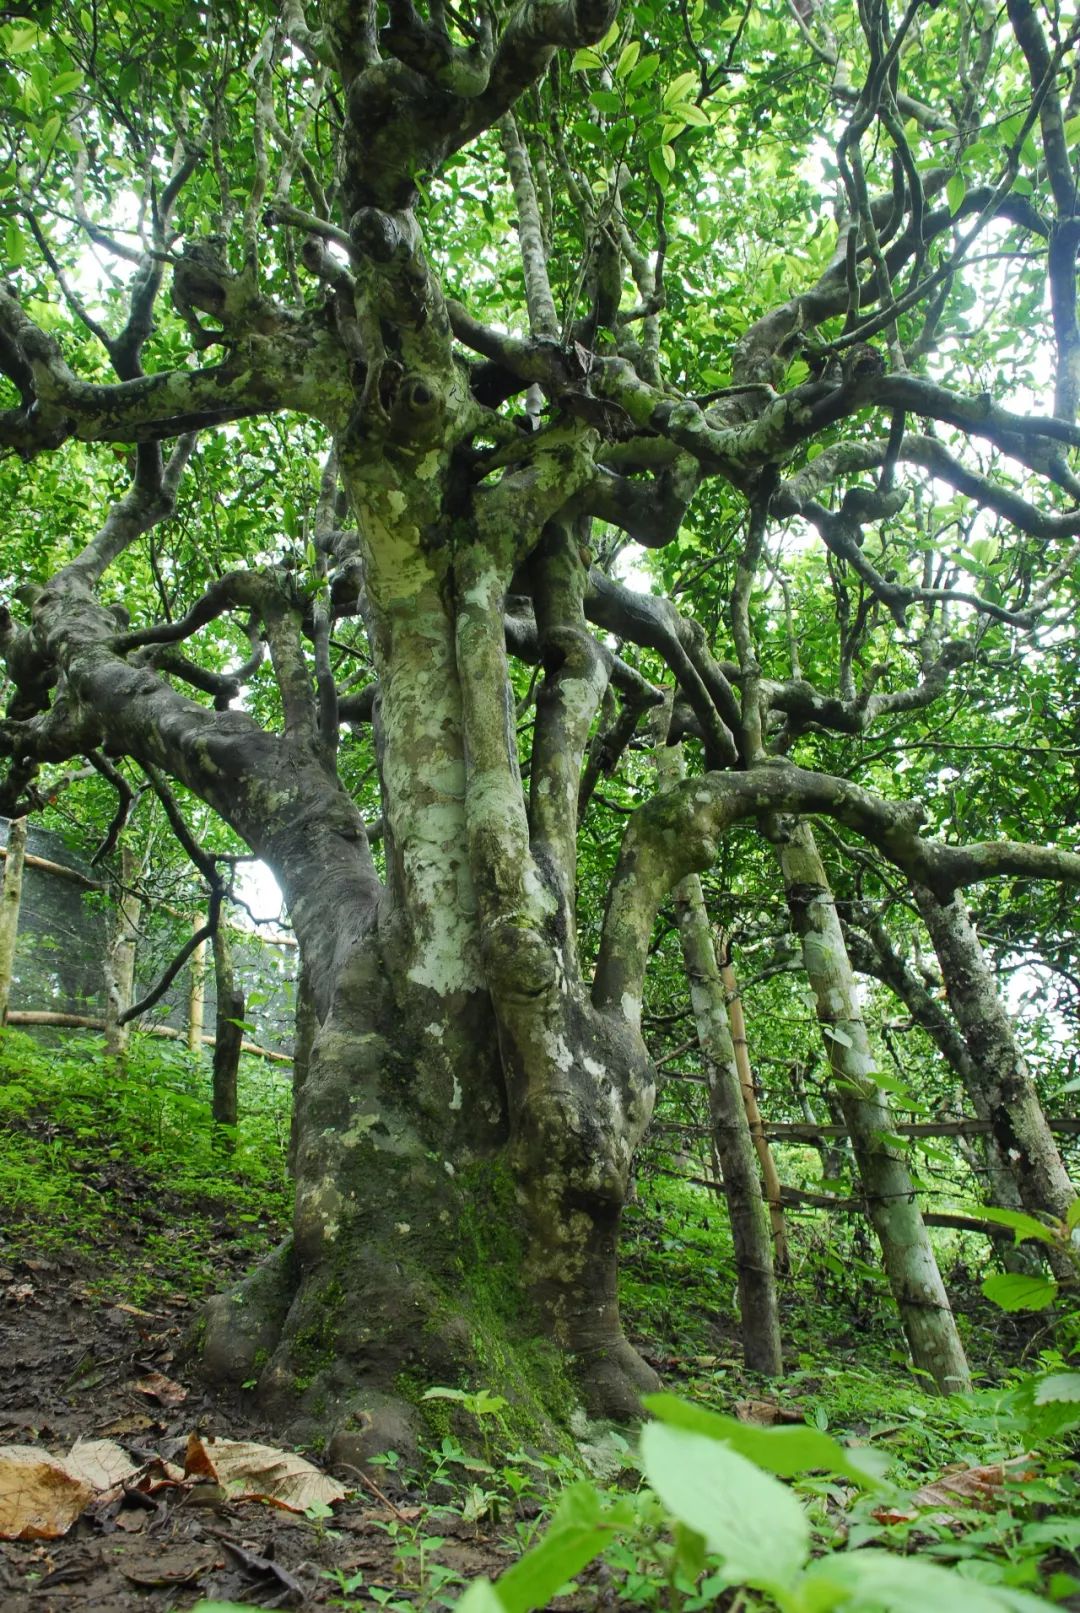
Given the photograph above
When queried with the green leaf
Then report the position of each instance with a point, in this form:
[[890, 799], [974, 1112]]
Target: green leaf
[[1057, 1387], [17, 41], [754, 1524], [14, 244], [606, 101], [583, 60], [680, 88], [837, 1035], [64, 83], [643, 72], [628, 59], [481, 1597], [881, 1582], [1073, 1215], [1025, 1226], [955, 191], [1072, 131], [48, 132], [784, 1451], [580, 1529], [688, 113], [1014, 1292], [658, 168]]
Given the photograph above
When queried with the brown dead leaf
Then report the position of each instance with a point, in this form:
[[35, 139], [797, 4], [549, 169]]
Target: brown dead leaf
[[135, 1422], [130, 1521], [978, 1486], [766, 1413], [250, 1472], [101, 1463], [159, 1475], [39, 1498], [165, 1566], [156, 1386], [971, 1487], [133, 1310]]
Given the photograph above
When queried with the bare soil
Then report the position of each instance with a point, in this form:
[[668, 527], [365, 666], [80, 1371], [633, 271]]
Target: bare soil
[[72, 1357]]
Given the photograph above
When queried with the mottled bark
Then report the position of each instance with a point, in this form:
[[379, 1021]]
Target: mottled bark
[[306, 1028], [1008, 1094], [10, 901], [874, 954], [890, 1194], [729, 1122], [196, 991], [120, 945]]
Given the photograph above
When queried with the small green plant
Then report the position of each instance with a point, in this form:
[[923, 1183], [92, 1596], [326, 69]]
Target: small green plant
[[716, 1517]]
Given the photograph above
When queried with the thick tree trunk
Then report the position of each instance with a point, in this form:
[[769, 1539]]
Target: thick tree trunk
[[1008, 1094], [890, 1193], [10, 901], [123, 930], [228, 1031], [770, 1176], [466, 1126]]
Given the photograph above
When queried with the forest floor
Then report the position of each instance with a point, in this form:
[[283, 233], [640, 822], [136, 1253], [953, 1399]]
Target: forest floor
[[118, 1213], [82, 1364]]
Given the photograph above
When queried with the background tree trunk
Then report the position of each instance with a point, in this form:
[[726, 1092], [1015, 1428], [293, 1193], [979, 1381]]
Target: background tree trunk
[[735, 1152], [1008, 1092], [886, 1182], [120, 955], [228, 1031], [10, 900], [196, 991]]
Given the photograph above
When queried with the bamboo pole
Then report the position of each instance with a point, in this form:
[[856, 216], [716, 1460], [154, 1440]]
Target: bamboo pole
[[769, 1173], [10, 901]]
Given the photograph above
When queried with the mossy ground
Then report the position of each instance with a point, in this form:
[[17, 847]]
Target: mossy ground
[[94, 1160]]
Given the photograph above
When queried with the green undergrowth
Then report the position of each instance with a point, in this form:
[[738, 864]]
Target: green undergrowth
[[96, 1162]]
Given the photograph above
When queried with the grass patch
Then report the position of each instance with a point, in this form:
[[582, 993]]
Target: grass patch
[[95, 1161]]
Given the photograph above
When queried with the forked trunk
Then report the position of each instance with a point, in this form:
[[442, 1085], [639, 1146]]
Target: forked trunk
[[433, 1243], [467, 1120]]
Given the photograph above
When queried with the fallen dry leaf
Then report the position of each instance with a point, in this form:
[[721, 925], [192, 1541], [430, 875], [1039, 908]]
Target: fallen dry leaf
[[156, 1386], [765, 1413], [100, 1462], [164, 1567], [973, 1486], [135, 1422], [250, 1472], [39, 1498]]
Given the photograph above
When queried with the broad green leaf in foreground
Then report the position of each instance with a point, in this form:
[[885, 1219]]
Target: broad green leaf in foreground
[[750, 1520], [1015, 1292], [580, 1529], [786, 1451], [879, 1582]]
